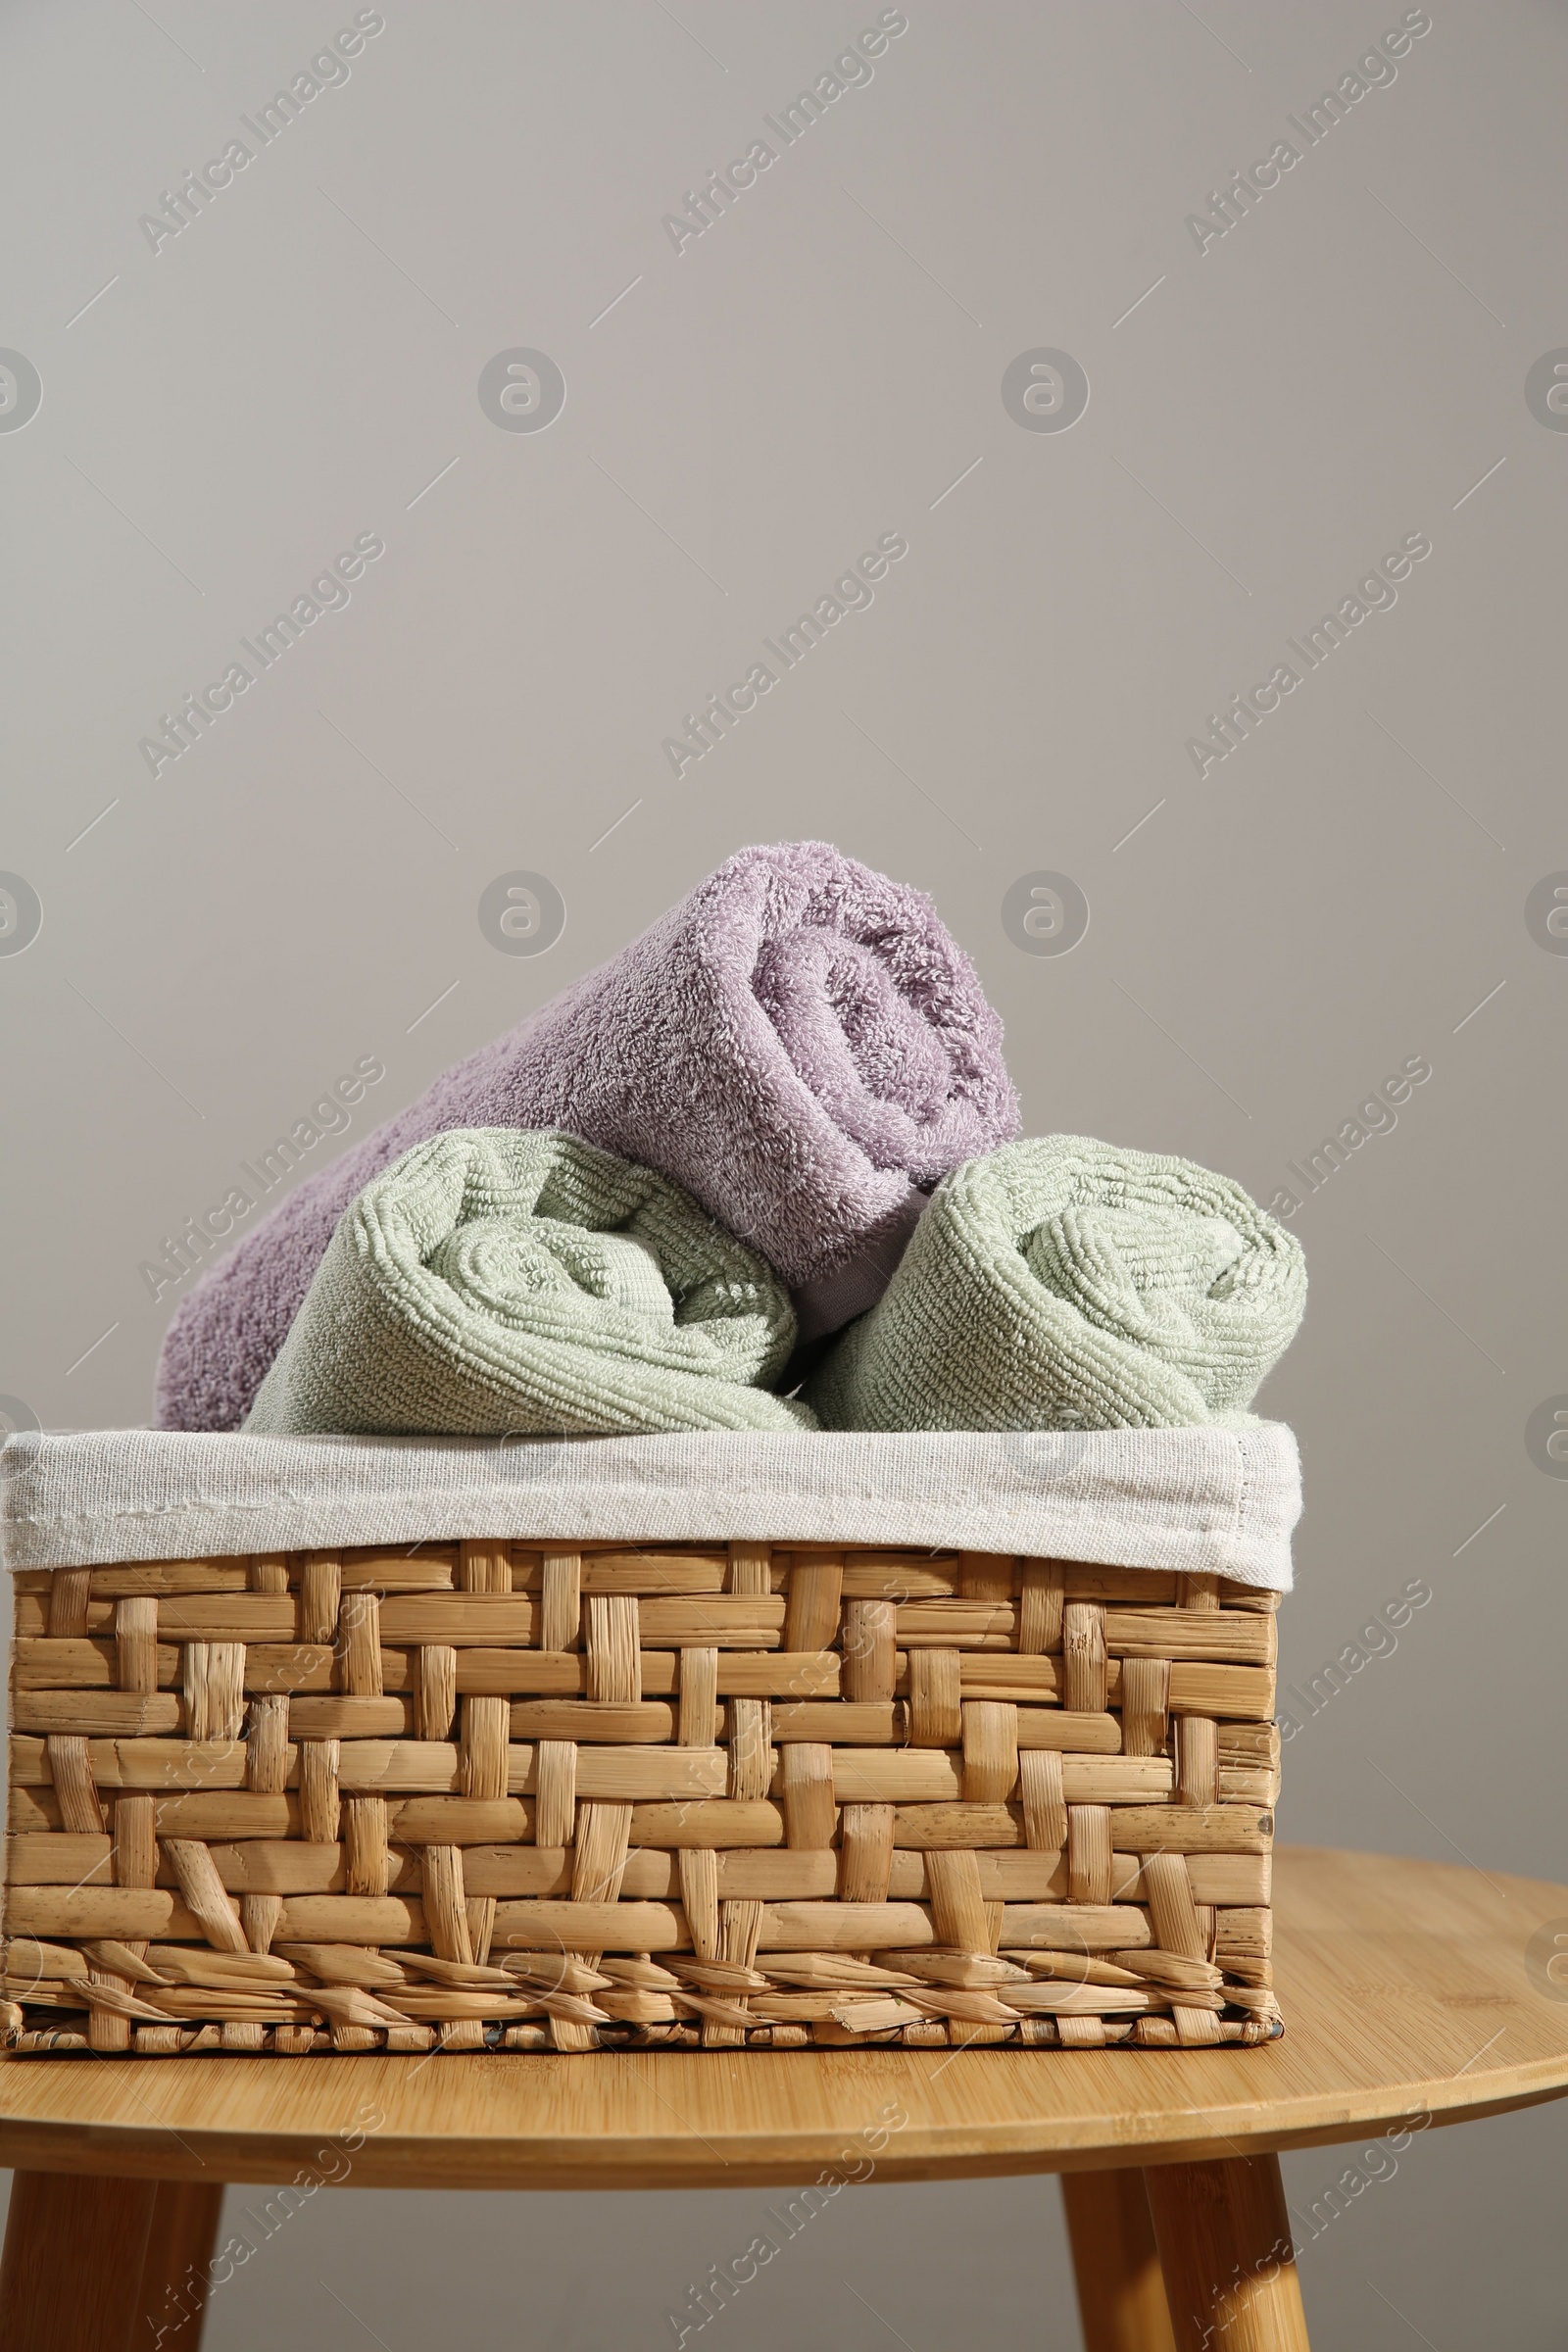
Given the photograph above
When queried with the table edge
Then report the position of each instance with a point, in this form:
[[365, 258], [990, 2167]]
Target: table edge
[[142, 2151]]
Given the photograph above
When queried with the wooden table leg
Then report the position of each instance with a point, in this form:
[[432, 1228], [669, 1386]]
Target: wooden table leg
[[71, 2278], [1224, 2239], [175, 2272], [93, 2265], [1121, 2294]]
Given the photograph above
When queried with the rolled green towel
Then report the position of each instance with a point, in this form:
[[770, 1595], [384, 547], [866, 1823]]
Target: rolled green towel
[[1063, 1284], [492, 1283]]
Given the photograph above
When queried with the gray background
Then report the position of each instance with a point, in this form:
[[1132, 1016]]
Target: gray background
[[300, 889]]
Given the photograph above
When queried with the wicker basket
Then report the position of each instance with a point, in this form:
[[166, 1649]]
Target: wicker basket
[[494, 1796]]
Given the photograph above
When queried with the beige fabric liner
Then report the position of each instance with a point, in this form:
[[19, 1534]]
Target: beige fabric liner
[[1208, 1499]]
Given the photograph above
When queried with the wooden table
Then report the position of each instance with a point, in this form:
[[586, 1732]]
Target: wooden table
[[1408, 1998]]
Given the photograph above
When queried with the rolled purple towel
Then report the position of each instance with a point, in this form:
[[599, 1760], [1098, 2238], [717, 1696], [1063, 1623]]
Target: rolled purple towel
[[799, 1043]]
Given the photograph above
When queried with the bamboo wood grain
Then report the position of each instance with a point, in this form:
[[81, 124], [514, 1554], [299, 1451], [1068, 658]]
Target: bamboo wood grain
[[345, 1717], [458, 1820], [400, 1572], [245, 1616], [1042, 1787], [864, 1862], [987, 1576], [1121, 2292], [97, 1713], [1086, 1681], [368, 1862], [751, 1759], [135, 1856], [436, 1691], [731, 1620], [651, 1574], [484, 1565], [1059, 1728], [554, 1780], [1236, 1640], [832, 1720], [897, 1577], [180, 2239], [724, 1822], [57, 1859], [1209, 1830], [75, 1785], [484, 1752], [321, 1595], [815, 1590], [811, 1818], [221, 1815], [750, 1568], [455, 1620], [269, 1757], [1224, 2240], [697, 1719], [74, 2254], [991, 1750], [947, 1623], [870, 1652], [613, 1649], [84, 1665], [168, 1576], [265, 1866], [649, 1720]]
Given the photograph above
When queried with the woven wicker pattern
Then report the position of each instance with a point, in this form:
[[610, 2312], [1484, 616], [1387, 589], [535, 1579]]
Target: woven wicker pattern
[[491, 1796]]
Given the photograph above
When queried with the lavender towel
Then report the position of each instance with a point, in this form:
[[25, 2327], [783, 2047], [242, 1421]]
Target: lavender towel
[[800, 1043]]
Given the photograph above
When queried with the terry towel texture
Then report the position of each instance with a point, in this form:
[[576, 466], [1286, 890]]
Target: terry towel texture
[[1064, 1284], [1198, 1500], [800, 1043], [492, 1284]]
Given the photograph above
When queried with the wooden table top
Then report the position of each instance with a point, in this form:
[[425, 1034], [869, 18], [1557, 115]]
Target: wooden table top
[[1405, 1988]]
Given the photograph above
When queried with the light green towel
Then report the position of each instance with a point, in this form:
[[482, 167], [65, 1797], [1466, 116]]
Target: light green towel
[[1063, 1284], [492, 1282]]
